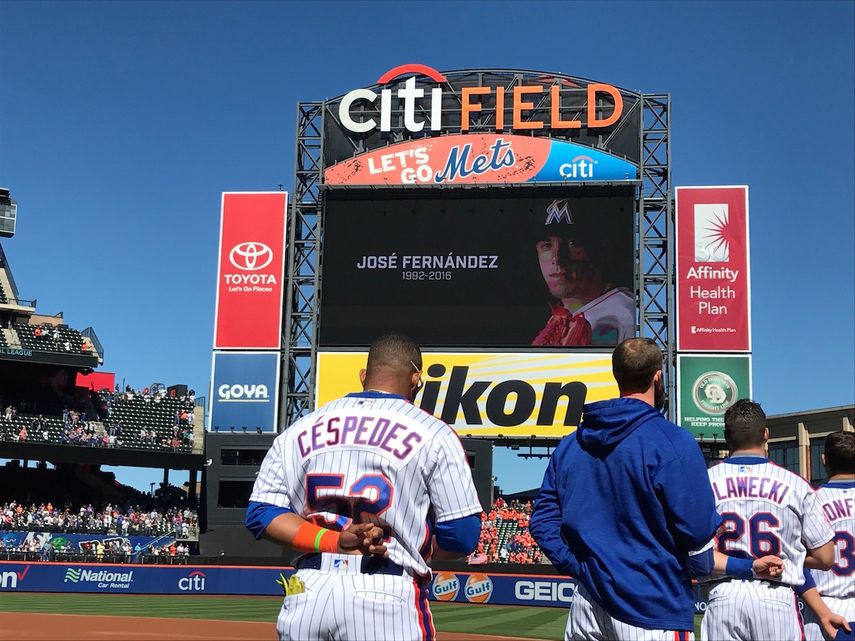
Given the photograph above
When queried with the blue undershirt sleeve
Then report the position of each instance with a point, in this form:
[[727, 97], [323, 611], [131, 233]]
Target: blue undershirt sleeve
[[459, 535], [259, 516], [701, 565]]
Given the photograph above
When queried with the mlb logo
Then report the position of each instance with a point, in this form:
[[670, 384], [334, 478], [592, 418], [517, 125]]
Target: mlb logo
[[340, 563], [744, 468]]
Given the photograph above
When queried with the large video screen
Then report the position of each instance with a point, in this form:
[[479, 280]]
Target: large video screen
[[506, 268]]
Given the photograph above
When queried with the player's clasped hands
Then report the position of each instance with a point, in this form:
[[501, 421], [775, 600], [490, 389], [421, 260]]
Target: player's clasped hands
[[363, 538], [768, 567]]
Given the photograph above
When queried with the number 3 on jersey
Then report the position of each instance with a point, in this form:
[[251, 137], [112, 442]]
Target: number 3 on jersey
[[370, 494], [762, 539], [845, 544]]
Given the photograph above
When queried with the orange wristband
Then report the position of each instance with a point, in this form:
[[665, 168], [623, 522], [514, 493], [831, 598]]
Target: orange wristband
[[311, 538]]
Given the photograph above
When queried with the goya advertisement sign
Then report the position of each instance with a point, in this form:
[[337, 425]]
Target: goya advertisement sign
[[492, 395], [707, 385], [244, 393], [713, 281], [248, 310], [467, 159]]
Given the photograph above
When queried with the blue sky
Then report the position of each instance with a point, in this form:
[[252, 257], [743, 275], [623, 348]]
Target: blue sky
[[121, 123]]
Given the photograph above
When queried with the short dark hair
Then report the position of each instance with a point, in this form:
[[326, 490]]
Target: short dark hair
[[634, 364], [744, 425], [396, 352], [840, 453]]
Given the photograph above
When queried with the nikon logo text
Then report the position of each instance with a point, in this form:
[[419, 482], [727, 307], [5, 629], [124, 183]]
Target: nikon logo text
[[508, 403]]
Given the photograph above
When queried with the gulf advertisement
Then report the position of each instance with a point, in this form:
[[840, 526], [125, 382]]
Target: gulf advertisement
[[713, 280], [245, 391], [250, 271], [707, 385], [471, 159], [491, 395]]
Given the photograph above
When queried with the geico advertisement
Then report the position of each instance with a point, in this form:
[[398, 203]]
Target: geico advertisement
[[491, 394]]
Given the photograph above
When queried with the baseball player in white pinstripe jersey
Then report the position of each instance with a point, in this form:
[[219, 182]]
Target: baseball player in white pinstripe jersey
[[370, 456], [837, 585], [766, 510]]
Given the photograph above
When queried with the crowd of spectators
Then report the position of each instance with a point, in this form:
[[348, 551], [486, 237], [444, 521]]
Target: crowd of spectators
[[106, 551], [505, 537], [109, 519]]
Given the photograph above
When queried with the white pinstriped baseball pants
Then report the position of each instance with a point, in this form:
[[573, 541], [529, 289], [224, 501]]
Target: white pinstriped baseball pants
[[350, 606], [843, 607], [750, 610], [588, 621]]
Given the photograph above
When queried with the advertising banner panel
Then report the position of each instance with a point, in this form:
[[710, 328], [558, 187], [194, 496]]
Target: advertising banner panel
[[245, 391], [251, 268], [543, 590], [713, 280], [499, 269], [707, 385], [492, 395], [472, 159]]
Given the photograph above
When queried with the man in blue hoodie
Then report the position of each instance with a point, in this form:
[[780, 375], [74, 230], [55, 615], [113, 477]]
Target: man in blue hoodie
[[623, 503]]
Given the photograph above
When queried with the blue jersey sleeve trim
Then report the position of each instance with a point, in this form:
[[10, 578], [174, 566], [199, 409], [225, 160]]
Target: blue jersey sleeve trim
[[459, 535], [809, 583], [259, 516]]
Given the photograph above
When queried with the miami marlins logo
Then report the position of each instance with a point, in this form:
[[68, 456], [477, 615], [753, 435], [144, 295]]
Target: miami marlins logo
[[558, 212]]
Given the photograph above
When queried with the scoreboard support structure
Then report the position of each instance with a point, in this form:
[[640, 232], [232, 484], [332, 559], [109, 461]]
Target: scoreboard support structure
[[654, 246]]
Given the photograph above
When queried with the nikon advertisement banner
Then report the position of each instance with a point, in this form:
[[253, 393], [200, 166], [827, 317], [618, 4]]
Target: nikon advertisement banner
[[492, 395], [707, 386]]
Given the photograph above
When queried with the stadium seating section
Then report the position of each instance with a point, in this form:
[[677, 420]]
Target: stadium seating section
[[134, 414], [4, 299], [68, 337], [505, 537]]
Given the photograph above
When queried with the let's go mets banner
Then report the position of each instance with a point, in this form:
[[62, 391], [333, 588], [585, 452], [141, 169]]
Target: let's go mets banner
[[468, 159], [251, 269], [713, 281], [494, 395]]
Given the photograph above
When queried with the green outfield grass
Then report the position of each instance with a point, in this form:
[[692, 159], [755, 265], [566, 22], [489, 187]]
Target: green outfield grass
[[524, 622]]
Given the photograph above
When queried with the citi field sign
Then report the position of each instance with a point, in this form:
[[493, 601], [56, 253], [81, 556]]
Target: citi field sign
[[528, 141]]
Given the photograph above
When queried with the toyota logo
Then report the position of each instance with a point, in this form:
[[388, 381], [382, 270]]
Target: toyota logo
[[251, 256]]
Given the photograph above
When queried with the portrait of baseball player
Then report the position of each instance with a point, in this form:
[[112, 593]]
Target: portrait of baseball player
[[368, 488], [587, 308]]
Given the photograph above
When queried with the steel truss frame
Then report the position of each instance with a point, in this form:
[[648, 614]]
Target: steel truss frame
[[654, 249]]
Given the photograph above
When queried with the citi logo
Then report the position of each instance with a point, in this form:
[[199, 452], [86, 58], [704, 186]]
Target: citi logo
[[520, 100], [251, 256], [193, 582], [243, 393], [580, 167]]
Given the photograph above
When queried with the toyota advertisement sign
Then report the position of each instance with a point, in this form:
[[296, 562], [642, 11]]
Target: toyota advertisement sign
[[244, 394], [251, 269]]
